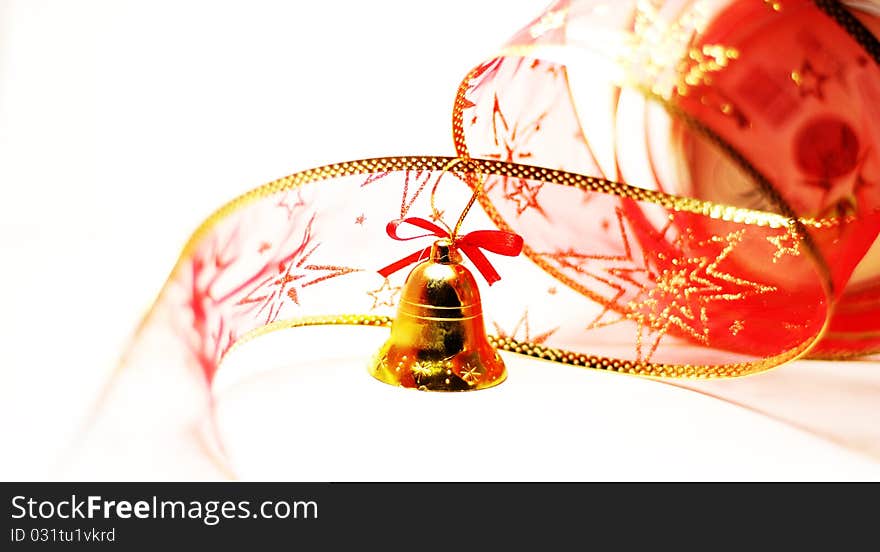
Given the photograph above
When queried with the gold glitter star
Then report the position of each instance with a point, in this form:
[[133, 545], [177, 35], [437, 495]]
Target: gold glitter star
[[666, 286], [385, 295], [471, 375], [420, 370], [685, 285], [657, 41], [789, 237], [736, 327]]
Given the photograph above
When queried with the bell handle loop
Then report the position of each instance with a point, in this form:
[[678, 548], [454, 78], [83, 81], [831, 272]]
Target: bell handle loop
[[435, 213], [453, 233], [478, 189]]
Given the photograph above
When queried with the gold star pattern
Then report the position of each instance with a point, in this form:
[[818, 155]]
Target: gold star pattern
[[471, 374], [736, 326], [420, 370], [697, 68], [385, 295], [657, 42], [684, 286], [670, 285], [788, 243]]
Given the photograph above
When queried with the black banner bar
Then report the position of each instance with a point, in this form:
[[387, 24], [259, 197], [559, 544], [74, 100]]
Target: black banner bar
[[336, 515]]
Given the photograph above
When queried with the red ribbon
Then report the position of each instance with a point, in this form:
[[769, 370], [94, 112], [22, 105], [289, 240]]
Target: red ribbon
[[496, 241]]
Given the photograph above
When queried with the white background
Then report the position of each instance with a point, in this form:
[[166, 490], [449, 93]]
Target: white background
[[124, 124]]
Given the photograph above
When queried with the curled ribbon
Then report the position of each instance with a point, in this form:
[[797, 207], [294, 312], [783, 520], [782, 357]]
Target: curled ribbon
[[496, 241]]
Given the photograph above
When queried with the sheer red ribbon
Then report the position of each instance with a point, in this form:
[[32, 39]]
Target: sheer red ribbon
[[496, 241]]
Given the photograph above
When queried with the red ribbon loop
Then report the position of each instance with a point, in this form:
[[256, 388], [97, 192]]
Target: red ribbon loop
[[496, 241]]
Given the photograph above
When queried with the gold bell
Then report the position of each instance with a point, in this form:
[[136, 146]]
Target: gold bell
[[438, 340]]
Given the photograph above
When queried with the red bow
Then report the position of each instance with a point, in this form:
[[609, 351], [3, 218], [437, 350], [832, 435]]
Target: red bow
[[496, 241]]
